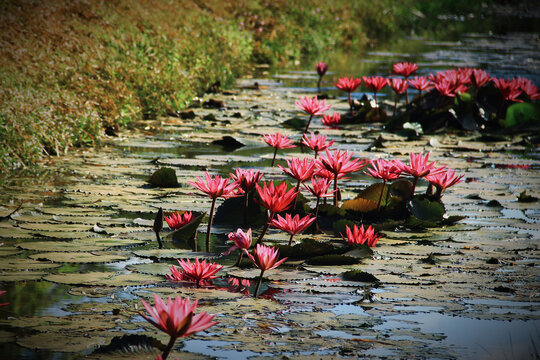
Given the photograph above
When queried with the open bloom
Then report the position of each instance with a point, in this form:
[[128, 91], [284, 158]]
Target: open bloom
[[197, 271], [420, 83], [246, 179], [405, 69], [177, 317], [528, 87], [375, 83], [242, 240], [510, 89], [312, 106], [316, 142], [359, 235], [293, 224], [418, 167], [349, 85], [399, 86], [214, 187], [383, 169], [319, 187], [278, 141], [265, 257], [177, 220], [321, 68], [479, 77], [444, 179], [332, 121], [300, 169], [275, 198]]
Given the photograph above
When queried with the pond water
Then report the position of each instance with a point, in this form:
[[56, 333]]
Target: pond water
[[73, 287]]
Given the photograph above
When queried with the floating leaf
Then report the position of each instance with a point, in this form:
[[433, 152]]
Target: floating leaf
[[521, 115], [103, 279], [332, 259], [21, 275], [359, 204], [26, 264], [151, 268], [79, 257], [306, 249], [425, 209], [359, 275], [164, 178]]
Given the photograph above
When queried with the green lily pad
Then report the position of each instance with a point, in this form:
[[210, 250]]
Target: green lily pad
[[21, 275], [521, 114], [59, 246], [151, 268], [173, 254], [78, 257], [425, 209], [359, 275], [26, 264], [8, 250], [339, 227], [333, 259], [103, 279], [306, 249], [164, 178]]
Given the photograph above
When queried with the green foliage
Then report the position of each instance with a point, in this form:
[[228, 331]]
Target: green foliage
[[164, 177], [521, 115]]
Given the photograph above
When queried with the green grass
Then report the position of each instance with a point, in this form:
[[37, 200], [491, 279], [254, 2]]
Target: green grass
[[70, 68]]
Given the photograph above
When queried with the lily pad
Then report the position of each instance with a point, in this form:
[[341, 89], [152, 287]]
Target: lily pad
[[306, 249], [359, 275], [151, 268], [26, 264], [59, 246], [333, 259], [103, 279], [21, 275], [426, 210], [164, 178], [173, 254], [78, 257]]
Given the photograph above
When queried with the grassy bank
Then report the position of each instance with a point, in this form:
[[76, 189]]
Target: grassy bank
[[69, 69]]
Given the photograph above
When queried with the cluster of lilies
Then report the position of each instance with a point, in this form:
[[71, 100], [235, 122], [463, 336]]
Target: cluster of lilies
[[315, 176]]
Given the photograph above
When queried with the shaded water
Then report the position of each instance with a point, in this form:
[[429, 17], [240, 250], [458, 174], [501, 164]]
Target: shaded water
[[418, 310]]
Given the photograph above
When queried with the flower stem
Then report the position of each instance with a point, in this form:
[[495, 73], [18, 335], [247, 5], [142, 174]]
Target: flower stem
[[265, 229], [319, 84], [380, 196], [246, 203], [316, 153], [169, 348], [256, 293], [210, 225], [375, 96], [290, 239], [316, 214], [309, 122], [414, 186], [297, 192], [350, 104], [239, 258], [160, 244], [335, 189], [395, 106], [274, 158]]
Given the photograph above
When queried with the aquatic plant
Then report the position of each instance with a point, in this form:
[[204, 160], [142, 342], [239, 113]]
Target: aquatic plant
[[316, 142], [301, 170], [313, 107], [384, 170], [242, 240], [246, 181], [443, 180], [420, 83], [177, 319], [2, 292], [339, 163], [275, 199], [349, 85], [375, 84], [509, 89], [417, 168], [321, 68], [359, 235], [265, 258], [399, 86], [292, 224], [405, 69], [177, 220], [214, 188], [319, 188], [198, 271], [332, 121], [278, 141]]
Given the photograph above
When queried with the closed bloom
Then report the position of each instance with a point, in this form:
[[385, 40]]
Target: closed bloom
[[444, 179], [242, 240], [383, 169], [278, 141], [214, 187], [177, 220], [312, 106], [359, 235], [265, 257], [300, 169], [316, 142], [246, 179], [177, 317], [321, 68], [197, 271], [405, 69], [332, 121], [275, 198]]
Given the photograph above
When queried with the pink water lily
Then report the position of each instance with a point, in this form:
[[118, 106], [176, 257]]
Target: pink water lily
[[528, 87], [177, 318], [405, 69], [442, 180], [301, 170], [419, 167], [509, 89], [375, 84], [332, 121], [177, 220], [214, 188], [197, 271], [320, 187], [316, 143], [349, 85], [292, 224], [321, 68], [313, 107], [399, 86], [359, 235], [421, 83], [246, 180], [265, 258], [242, 240], [278, 141], [2, 292], [384, 170]]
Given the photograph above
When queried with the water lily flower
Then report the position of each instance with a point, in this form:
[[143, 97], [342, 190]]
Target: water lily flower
[[359, 235], [319, 188], [2, 292], [442, 180], [242, 240], [293, 225], [275, 199], [449, 83], [316, 142], [214, 188], [528, 87], [177, 220], [177, 318], [479, 77], [332, 121], [278, 141], [418, 167], [321, 68], [265, 258], [405, 69], [313, 107], [349, 85], [421, 83], [399, 86], [384, 170], [301, 170], [198, 271], [246, 180], [375, 84], [510, 89], [338, 163]]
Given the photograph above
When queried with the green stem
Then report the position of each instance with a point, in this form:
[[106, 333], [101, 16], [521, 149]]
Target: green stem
[[316, 214], [395, 106], [160, 244], [350, 104], [246, 203], [309, 122], [319, 84], [258, 284], [210, 225], [414, 186], [168, 349]]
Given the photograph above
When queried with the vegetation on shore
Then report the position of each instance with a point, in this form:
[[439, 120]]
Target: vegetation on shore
[[70, 69]]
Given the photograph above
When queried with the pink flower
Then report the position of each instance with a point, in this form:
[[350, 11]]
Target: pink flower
[[316, 142], [528, 88], [375, 83], [360, 236], [420, 83], [479, 77], [383, 169], [177, 317], [177, 220], [418, 167], [2, 292], [443, 180], [278, 141], [510, 89], [265, 258], [300, 169], [331, 121], [275, 198], [321, 68], [196, 271], [398, 85], [242, 240], [246, 179], [312, 106], [349, 85], [319, 187], [293, 225], [405, 69]]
